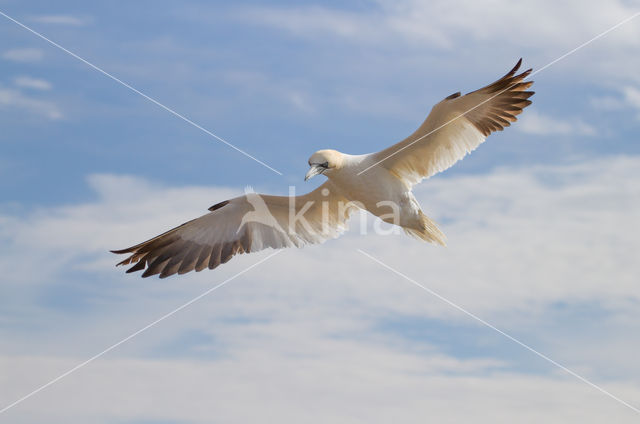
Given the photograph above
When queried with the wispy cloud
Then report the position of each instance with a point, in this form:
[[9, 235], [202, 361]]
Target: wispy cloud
[[533, 122], [23, 55], [33, 83], [607, 102], [295, 94], [439, 23], [632, 96], [566, 207], [342, 381], [547, 253], [521, 242], [407, 29], [318, 22], [15, 99], [69, 20], [628, 97]]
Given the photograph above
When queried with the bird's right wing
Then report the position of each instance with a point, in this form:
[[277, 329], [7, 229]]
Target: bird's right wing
[[241, 225], [455, 127]]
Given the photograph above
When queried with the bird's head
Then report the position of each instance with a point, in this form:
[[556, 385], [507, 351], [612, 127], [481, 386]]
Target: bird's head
[[324, 162]]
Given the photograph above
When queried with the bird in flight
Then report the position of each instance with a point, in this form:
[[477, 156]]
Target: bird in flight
[[379, 183]]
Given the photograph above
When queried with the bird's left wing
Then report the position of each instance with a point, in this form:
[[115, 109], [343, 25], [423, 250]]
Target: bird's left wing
[[456, 126], [241, 225]]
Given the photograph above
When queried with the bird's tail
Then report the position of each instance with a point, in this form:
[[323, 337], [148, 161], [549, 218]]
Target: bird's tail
[[428, 231]]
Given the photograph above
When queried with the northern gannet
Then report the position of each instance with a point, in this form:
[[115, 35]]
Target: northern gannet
[[378, 182]]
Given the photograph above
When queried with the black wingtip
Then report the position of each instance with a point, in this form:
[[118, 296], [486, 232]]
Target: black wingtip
[[453, 96], [137, 267], [515, 68], [218, 205], [147, 274]]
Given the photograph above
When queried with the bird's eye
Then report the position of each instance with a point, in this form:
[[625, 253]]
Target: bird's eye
[[325, 165]]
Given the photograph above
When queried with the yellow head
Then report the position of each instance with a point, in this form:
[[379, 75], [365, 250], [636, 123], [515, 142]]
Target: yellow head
[[324, 162]]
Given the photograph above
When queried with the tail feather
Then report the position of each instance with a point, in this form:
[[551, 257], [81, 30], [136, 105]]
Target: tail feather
[[427, 231]]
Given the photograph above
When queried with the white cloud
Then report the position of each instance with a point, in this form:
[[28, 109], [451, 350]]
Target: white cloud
[[628, 98], [607, 103], [468, 34], [632, 96], [61, 20], [16, 99], [23, 55], [300, 101], [353, 385], [392, 58], [317, 22], [10, 98], [33, 83], [533, 122], [302, 330], [550, 215], [442, 23], [292, 92]]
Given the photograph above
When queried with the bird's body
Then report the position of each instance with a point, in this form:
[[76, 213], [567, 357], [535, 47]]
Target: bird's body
[[376, 198], [379, 183]]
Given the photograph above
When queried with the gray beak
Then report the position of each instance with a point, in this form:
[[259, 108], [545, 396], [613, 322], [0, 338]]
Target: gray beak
[[315, 170]]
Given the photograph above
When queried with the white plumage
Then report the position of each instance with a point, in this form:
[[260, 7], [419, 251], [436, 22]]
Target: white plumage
[[374, 182]]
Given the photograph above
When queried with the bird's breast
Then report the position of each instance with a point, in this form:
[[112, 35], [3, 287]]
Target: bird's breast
[[376, 190]]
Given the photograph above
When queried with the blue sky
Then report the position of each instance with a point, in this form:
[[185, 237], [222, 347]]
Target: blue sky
[[541, 219]]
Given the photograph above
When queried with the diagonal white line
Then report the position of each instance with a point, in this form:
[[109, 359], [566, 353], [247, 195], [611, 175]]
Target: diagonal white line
[[152, 100], [132, 335], [506, 89], [513, 339]]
